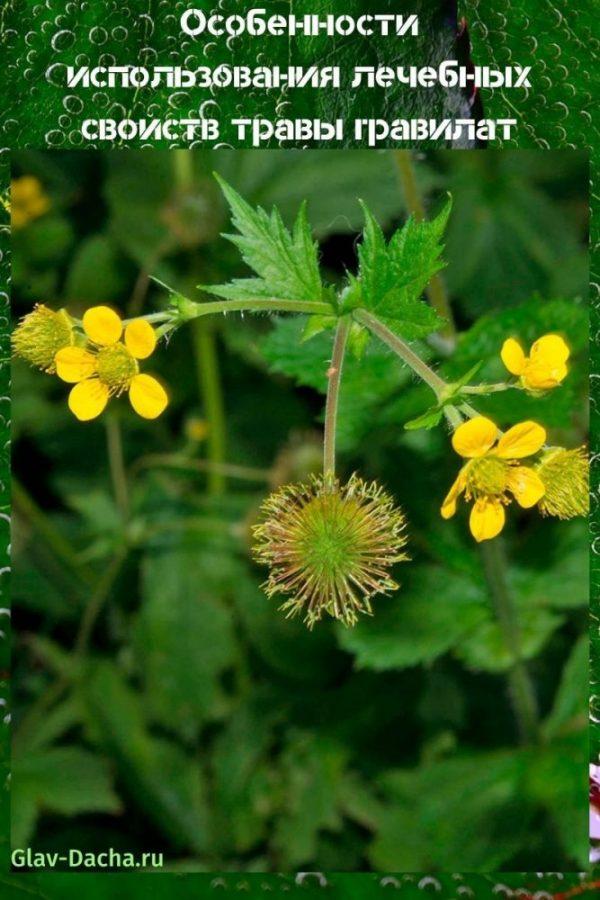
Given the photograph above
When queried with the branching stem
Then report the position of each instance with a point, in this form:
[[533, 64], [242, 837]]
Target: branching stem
[[401, 348]]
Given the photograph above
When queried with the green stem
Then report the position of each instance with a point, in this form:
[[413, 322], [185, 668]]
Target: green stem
[[97, 601], [116, 464], [520, 684], [194, 310], [207, 365], [333, 393], [183, 169], [230, 470], [436, 290], [401, 348]]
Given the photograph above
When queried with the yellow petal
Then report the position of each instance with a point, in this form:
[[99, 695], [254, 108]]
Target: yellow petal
[[521, 440], [140, 338], [74, 364], [148, 397], [550, 349], [102, 325], [526, 485], [539, 376], [475, 437], [513, 356], [88, 399], [486, 520], [449, 505]]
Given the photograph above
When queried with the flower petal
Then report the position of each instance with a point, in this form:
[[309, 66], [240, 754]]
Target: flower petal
[[74, 364], [526, 485], [486, 520], [513, 356], [148, 397], [475, 437], [140, 338], [449, 505], [521, 440], [539, 376], [102, 325], [88, 399], [551, 349]]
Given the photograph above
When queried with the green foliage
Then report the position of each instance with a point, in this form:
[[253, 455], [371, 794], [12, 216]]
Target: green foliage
[[286, 263], [392, 276], [63, 780], [214, 728]]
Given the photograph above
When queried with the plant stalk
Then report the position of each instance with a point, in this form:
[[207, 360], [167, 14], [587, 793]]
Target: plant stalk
[[520, 685], [436, 290], [209, 382], [334, 376], [117, 464], [194, 310], [401, 348]]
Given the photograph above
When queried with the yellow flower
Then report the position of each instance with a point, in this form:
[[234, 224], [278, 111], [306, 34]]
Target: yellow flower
[[107, 366], [544, 368], [41, 334], [493, 472], [28, 201]]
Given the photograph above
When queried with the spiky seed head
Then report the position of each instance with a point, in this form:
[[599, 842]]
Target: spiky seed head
[[565, 474], [41, 334], [329, 547]]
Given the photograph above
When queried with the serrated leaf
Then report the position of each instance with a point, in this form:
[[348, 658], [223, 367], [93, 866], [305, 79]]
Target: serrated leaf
[[393, 276], [286, 264], [412, 627]]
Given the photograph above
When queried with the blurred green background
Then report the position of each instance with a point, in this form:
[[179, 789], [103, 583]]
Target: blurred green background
[[161, 701]]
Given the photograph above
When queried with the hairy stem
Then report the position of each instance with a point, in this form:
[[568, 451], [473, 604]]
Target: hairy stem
[[402, 349], [436, 290], [194, 310], [209, 382], [117, 464], [333, 394], [520, 685]]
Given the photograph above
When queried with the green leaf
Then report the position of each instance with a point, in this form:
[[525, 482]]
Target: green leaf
[[286, 263], [414, 626], [183, 639], [393, 276], [316, 324], [60, 780], [312, 769], [558, 780], [568, 708], [486, 649], [95, 274], [429, 419], [471, 815], [165, 782]]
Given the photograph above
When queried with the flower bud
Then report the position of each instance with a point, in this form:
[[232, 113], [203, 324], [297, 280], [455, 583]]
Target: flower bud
[[41, 334], [565, 474]]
